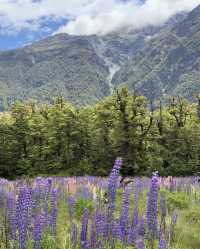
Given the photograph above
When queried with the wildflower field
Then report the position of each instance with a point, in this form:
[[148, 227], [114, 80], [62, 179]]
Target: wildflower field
[[94, 212]]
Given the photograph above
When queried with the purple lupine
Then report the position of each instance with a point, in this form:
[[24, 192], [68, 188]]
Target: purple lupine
[[11, 212], [140, 243], [172, 185], [2, 199], [112, 184], [71, 206], [112, 189], [136, 203], [141, 227], [162, 242], [93, 236], [98, 222], [106, 226], [116, 229], [83, 237], [132, 235], [152, 208], [133, 230], [54, 211], [37, 230], [101, 224], [124, 218], [23, 214], [39, 191], [46, 200], [87, 195]]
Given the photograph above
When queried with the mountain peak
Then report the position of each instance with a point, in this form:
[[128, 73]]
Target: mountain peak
[[169, 64], [189, 25]]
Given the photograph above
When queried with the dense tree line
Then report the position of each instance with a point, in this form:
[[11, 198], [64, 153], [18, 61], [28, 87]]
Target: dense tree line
[[63, 139]]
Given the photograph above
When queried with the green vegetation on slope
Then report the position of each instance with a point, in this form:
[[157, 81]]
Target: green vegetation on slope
[[169, 64], [58, 65], [80, 68]]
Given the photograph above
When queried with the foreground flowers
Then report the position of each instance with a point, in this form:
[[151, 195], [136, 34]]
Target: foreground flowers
[[90, 212]]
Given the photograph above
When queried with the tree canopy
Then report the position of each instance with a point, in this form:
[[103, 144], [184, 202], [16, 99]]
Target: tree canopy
[[67, 140]]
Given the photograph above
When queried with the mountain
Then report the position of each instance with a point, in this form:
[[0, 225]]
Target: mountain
[[169, 64], [80, 68], [59, 65], [85, 69]]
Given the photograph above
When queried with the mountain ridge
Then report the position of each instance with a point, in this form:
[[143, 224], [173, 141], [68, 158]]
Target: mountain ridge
[[84, 69], [168, 64]]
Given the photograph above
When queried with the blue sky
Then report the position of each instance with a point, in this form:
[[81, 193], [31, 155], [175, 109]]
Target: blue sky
[[12, 40], [25, 21]]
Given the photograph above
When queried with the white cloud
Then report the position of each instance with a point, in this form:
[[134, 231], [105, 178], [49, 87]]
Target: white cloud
[[88, 16]]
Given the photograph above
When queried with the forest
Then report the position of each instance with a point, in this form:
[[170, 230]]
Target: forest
[[62, 139]]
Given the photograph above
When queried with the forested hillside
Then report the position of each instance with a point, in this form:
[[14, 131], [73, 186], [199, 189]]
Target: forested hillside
[[68, 140], [169, 64], [157, 61]]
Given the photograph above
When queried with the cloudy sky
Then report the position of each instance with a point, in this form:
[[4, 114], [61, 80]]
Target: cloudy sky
[[25, 21]]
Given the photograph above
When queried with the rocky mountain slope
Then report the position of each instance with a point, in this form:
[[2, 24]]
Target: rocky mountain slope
[[84, 69], [169, 64], [80, 68], [59, 65]]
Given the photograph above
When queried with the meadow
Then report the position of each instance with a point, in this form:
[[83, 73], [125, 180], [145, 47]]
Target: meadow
[[96, 212]]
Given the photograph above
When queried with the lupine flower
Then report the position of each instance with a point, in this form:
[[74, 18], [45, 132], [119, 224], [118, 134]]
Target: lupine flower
[[23, 213], [93, 236], [26, 222], [162, 242], [84, 241], [71, 205], [141, 227], [136, 208], [37, 232], [152, 208], [172, 185], [116, 229], [54, 211], [46, 199], [101, 224], [2, 196], [124, 218], [98, 222], [11, 212], [112, 184], [112, 188], [140, 243], [86, 193], [133, 230], [132, 235]]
